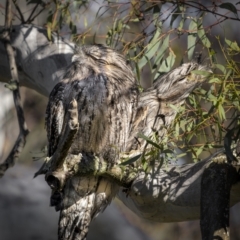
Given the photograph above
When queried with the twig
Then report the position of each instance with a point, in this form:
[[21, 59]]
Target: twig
[[38, 13], [19, 11], [14, 86], [30, 19]]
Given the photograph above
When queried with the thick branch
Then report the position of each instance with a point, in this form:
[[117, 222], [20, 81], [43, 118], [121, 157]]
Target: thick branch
[[169, 194]]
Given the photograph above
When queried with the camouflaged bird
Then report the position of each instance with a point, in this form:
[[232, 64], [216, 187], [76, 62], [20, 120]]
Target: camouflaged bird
[[154, 106], [105, 89]]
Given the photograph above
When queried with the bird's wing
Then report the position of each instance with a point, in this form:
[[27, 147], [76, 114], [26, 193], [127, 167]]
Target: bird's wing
[[54, 117]]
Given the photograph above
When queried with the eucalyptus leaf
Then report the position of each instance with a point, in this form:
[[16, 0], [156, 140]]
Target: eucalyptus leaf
[[202, 35], [229, 6], [192, 38], [149, 141], [131, 160], [233, 45]]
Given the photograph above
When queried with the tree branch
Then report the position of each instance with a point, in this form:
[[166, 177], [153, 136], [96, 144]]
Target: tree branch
[[166, 194], [14, 86]]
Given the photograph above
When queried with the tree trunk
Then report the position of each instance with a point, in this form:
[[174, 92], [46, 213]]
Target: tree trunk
[[216, 184]]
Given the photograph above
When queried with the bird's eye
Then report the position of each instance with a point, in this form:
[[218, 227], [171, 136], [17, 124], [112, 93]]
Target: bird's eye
[[181, 78]]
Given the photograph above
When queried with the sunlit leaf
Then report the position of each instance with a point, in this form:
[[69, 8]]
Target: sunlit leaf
[[233, 45], [159, 57], [180, 26], [199, 150], [221, 68], [167, 63], [221, 112], [152, 49], [215, 80], [202, 35], [201, 72], [49, 32], [192, 38], [174, 107]]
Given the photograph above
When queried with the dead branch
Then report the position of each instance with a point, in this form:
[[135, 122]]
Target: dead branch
[[14, 86]]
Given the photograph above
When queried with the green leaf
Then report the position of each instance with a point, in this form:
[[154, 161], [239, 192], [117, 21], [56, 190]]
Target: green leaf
[[233, 45], [215, 80], [162, 50], [221, 68], [192, 38], [201, 72], [148, 140], [199, 150], [152, 49], [167, 63], [229, 6], [202, 35], [229, 72], [221, 112], [181, 155], [180, 26], [131, 160], [145, 166], [49, 32], [174, 107], [160, 55], [177, 129]]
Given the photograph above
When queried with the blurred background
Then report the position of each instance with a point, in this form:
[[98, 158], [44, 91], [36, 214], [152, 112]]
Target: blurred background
[[24, 202]]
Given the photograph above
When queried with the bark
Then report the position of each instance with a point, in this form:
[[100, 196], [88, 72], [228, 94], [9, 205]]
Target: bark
[[217, 181], [168, 194]]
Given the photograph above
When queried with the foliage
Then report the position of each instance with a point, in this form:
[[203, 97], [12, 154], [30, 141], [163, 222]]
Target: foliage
[[155, 36]]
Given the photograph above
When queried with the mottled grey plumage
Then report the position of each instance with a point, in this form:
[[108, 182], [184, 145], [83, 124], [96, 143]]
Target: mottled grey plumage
[[103, 85]]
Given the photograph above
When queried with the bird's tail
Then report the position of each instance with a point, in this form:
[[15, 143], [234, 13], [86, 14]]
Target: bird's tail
[[83, 198]]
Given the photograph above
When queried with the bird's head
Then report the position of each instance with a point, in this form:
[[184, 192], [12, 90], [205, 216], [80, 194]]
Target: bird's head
[[175, 86]]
